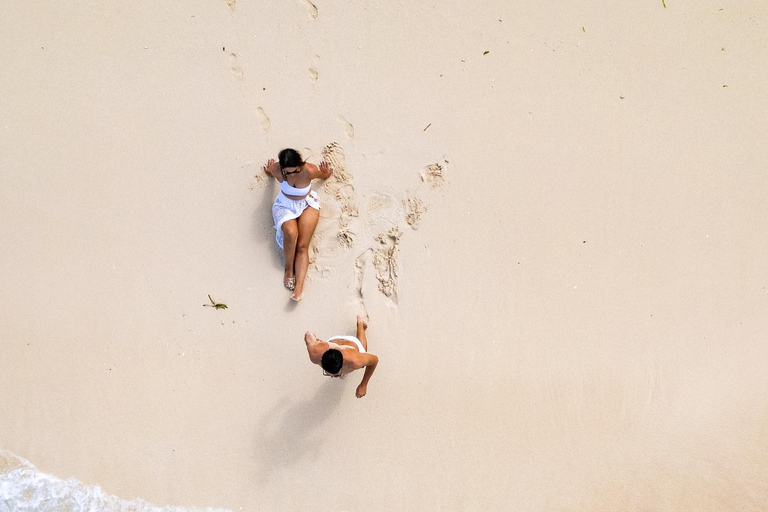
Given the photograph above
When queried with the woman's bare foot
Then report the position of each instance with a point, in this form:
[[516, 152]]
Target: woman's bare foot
[[298, 292], [289, 282]]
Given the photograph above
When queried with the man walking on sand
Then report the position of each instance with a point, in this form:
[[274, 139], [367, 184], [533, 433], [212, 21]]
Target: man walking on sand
[[340, 355]]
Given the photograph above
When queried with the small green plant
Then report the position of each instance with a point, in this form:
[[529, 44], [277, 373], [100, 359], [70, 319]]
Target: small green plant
[[214, 304]]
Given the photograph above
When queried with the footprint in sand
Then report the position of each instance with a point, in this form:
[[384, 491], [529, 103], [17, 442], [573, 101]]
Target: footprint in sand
[[313, 75], [339, 207], [259, 179], [334, 155], [360, 265], [340, 188], [312, 71], [414, 209], [383, 215], [345, 195], [311, 9], [345, 237], [236, 69], [433, 175], [264, 121], [339, 185], [385, 261], [382, 209], [348, 128]]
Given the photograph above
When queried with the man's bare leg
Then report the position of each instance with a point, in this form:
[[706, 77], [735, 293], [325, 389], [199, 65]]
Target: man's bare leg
[[362, 325]]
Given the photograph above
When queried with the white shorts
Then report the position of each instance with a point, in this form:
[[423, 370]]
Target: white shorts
[[349, 338]]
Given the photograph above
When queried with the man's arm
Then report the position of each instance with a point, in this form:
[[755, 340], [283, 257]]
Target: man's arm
[[369, 361], [314, 348]]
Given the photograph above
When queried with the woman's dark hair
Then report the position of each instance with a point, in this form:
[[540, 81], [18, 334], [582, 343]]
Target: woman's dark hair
[[290, 158], [332, 361]]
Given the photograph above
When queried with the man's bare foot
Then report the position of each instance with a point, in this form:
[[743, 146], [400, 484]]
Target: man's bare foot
[[289, 282], [362, 320]]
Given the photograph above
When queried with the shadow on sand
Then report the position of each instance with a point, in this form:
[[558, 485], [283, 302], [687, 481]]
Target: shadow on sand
[[264, 224], [291, 432]]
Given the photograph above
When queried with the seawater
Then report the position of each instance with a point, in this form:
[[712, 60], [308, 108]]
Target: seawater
[[24, 488]]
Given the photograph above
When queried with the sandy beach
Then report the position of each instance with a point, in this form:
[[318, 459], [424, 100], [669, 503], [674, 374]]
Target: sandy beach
[[553, 214]]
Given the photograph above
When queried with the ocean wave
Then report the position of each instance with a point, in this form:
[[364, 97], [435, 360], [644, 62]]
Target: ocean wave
[[24, 488]]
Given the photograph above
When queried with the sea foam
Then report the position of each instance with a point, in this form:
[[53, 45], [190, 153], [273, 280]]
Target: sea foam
[[24, 488]]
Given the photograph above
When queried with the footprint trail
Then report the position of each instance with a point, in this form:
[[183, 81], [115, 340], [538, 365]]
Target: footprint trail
[[365, 231], [237, 71]]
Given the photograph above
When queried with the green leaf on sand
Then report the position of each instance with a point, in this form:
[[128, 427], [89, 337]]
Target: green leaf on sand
[[664, 3], [486, 52]]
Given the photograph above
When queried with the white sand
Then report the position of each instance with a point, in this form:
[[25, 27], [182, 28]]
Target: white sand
[[580, 317]]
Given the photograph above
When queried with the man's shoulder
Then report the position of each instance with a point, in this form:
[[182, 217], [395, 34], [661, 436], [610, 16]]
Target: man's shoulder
[[361, 359], [316, 351]]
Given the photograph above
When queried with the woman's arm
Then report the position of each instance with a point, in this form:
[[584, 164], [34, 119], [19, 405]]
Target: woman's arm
[[323, 172], [273, 169]]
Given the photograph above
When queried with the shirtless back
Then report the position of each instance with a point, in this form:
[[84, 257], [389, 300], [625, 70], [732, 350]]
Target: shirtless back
[[353, 358]]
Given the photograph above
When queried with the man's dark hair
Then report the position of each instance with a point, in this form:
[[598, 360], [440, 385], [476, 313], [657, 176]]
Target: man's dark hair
[[332, 361], [290, 158]]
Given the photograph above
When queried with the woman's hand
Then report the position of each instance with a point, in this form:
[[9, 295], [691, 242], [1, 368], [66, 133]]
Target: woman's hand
[[326, 168], [272, 168]]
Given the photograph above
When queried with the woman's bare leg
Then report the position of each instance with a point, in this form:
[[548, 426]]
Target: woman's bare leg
[[362, 325], [290, 236], [307, 223]]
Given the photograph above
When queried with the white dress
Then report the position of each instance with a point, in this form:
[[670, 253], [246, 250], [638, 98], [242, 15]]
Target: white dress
[[285, 209]]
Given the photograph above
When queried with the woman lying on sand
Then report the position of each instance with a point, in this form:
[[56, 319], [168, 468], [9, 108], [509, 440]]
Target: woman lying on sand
[[295, 211], [340, 355]]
